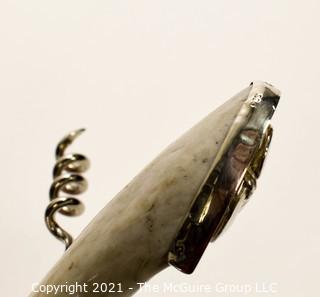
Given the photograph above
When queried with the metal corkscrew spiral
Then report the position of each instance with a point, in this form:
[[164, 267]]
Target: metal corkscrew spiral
[[67, 179]]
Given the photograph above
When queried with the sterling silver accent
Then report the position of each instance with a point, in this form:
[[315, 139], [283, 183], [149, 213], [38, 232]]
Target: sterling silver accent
[[232, 177]]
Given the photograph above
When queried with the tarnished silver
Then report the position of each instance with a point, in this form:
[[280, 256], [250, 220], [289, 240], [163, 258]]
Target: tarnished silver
[[67, 179], [232, 177]]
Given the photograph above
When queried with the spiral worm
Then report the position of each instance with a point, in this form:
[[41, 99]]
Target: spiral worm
[[67, 179]]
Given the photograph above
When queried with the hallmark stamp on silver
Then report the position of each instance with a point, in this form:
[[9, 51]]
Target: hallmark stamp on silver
[[257, 98]]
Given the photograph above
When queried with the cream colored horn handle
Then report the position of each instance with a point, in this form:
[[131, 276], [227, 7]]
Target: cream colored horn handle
[[129, 240]]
